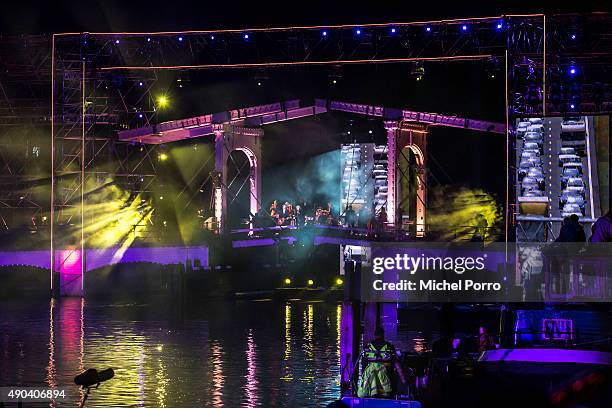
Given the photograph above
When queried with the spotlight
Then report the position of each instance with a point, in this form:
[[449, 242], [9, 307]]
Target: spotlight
[[162, 157], [500, 26], [148, 39], [162, 101], [259, 84], [117, 41], [141, 83], [140, 115], [428, 29], [572, 106], [573, 36], [464, 27], [310, 282], [180, 38], [287, 281], [393, 30], [348, 133], [212, 37], [324, 33], [161, 197], [370, 131], [245, 36], [358, 31], [573, 70], [335, 81], [339, 281]]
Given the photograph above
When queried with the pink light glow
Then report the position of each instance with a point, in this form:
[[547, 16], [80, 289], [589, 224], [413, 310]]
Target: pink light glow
[[251, 377], [70, 267]]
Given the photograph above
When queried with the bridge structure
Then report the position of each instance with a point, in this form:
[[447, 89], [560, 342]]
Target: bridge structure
[[242, 129]]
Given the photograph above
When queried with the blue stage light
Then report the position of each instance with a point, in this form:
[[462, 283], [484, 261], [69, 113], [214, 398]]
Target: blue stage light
[[246, 36], [141, 83], [393, 30], [358, 31], [148, 39], [572, 106], [180, 38], [212, 37], [573, 36], [428, 29], [500, 25], [140, 115], [324, 33], [117, 41], [464, 27], [573, 71]]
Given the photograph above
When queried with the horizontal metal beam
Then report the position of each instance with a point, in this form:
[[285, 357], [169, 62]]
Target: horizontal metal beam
[[203, 125], [261, 115], [420, 117]]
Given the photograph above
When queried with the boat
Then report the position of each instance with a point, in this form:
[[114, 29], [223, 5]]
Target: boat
[[355, 402]]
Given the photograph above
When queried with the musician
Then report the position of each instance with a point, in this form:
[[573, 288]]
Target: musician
[[274, 206], [275, 216], [350, 217], [289, 215], [321, 216]]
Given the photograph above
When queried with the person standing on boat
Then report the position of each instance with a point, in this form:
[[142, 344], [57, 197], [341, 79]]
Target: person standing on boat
[[378, 375]]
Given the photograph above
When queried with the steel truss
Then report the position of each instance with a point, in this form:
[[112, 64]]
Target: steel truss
[[101, 83], [25, 75]]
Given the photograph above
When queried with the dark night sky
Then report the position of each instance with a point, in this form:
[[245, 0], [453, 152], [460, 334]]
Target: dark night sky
[[27, 17]]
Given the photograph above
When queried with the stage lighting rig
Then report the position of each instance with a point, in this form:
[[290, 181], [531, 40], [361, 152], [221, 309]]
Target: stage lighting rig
[[418, 71]]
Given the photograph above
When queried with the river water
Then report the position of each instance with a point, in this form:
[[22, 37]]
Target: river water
[[222, 353]]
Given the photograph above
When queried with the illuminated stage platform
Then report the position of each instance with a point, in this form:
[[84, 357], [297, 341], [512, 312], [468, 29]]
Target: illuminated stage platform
[[317, 234]]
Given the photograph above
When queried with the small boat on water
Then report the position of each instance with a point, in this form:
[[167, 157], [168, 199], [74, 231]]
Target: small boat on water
[[354, 402]]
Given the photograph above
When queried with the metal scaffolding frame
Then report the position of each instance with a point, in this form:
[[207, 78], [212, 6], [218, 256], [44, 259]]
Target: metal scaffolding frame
[[102, 82]]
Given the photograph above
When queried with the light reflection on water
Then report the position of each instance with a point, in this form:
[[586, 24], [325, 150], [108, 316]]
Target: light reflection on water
[[223, 354]]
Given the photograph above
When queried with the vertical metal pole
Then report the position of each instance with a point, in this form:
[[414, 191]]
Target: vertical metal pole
[[52, 211], [83, 177], [544, 71], [392, 195], [507, 156]]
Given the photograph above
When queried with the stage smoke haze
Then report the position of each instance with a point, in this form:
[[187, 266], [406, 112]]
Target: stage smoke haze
[[453, 212], [316, 180]]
